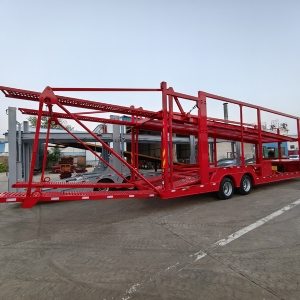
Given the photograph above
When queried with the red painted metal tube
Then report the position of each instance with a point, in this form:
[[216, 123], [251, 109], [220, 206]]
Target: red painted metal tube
[[165, 142], [212, 96], [58, 89], [133, 159], [34, 96], [81, 185], [180, 95], [107, 147], [35, 147], [215, 129], [95, 153], [60, 115], [242, 158], [260, 146], [298, 130], [136, 146], [179, 105], [46, 150], [170, 148], [203, 159]]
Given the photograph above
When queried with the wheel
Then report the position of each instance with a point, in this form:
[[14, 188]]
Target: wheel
[[124, 181], [226, 189], [104, 189], [245, 185]]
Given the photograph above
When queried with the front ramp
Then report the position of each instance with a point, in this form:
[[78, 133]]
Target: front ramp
[[20, 197]]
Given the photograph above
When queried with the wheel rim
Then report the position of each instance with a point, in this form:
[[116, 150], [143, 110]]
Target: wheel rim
[[227, 189], [103, 189], [246, 185], [124, 181]]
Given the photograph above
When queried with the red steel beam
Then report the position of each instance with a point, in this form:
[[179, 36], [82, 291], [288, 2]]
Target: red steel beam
[[74, 102], [19, 197], [62, 89], [34, 112], [81, 185], [34, 96], [165, 121], [219, 129], [216, 97]]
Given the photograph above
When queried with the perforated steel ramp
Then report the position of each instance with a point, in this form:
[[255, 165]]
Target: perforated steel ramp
[[74, 102], [11, 197]]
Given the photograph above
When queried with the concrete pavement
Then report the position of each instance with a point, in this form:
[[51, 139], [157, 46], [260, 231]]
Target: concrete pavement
[[153, 249]]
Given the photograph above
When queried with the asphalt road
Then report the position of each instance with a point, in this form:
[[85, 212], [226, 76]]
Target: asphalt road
[[196, 247]]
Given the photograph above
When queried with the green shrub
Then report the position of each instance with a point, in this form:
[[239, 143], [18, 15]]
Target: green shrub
[[53, 156], [3, 167]]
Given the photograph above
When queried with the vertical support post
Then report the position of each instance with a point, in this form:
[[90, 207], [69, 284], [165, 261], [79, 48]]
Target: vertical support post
[[171, 140], [12, 144], [242, 158], [278, 145], [26, 153], [105, 156], [256, 153], [116, 143], [192, 150], [137, 149], [123, 131], [233, 149], [45, 152], [133, 160], [298, 132], [279, 150], [165, 141], [30, 201], [19, 159], [215, 152], [211, 152], [259, 158], [202, 139], [225, 110], [238, 152]]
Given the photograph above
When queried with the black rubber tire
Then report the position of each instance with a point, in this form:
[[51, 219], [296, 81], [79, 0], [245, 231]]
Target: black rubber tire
[[104, 189], [124, 181], [245, 185], [226, 189]]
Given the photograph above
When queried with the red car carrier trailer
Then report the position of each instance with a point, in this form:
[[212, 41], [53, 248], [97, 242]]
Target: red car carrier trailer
[[175, 180]]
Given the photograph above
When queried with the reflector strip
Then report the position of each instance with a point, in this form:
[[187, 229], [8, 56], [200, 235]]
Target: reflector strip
[[11, 199], [55, 198]]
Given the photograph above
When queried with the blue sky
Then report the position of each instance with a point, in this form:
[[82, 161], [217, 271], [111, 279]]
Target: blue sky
[[246, 50]]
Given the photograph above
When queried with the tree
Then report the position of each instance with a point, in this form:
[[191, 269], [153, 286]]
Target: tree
[[44, 123], [53, 156]]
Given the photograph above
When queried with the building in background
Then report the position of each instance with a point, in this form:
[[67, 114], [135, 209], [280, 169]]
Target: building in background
[[3, 147]]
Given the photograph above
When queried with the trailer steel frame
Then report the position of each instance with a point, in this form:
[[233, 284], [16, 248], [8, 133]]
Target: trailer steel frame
[[175, 180]]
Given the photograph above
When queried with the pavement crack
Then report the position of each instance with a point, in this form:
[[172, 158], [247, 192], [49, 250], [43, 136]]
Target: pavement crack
[[173, 233], [243, 275]]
